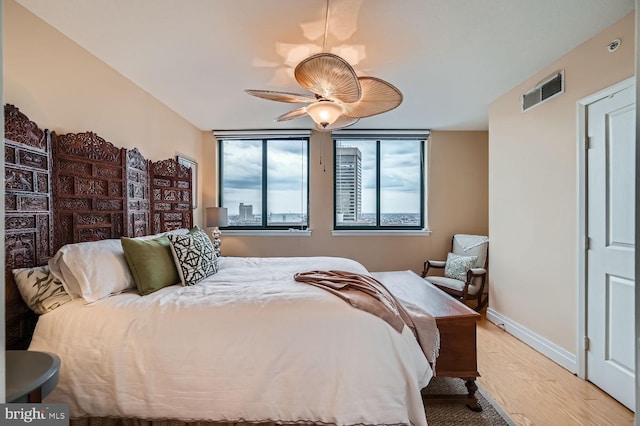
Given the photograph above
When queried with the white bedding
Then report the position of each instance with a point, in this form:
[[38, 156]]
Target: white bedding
[[248, 343]]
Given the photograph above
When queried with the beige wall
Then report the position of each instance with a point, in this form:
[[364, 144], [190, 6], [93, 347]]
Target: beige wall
[[533, 189], [64, 88], [457, 204]]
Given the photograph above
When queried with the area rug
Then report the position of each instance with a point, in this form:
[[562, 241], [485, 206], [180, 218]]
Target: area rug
[[457, 413]]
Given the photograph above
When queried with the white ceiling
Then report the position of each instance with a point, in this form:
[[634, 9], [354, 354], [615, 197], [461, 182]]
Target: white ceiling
[[450, 58]]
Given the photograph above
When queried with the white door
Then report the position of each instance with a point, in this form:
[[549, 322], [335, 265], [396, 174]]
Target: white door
[[611, 250]]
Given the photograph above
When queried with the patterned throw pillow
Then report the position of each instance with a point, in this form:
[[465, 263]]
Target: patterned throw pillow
[[41, 291], [457, 266], [194, 256]]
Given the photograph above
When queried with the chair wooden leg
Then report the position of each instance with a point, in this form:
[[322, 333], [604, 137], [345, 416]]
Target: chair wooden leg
[[482, 302]]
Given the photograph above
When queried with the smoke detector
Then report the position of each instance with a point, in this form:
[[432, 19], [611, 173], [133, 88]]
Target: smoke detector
[[613, 46]]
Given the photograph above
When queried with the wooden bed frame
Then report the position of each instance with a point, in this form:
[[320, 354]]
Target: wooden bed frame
[[76, 187]]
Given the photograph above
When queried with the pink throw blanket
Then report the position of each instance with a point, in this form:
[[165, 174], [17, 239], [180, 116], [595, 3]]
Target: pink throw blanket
[[370, 295]]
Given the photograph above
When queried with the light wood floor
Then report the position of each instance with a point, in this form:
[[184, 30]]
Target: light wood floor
[[533, 390]]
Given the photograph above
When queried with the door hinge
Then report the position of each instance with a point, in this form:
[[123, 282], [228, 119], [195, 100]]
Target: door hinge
[[587, 243], [587, 143], [586, 343]]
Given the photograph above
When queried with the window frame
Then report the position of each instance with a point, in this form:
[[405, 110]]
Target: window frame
[[378, 228], [264, 226]]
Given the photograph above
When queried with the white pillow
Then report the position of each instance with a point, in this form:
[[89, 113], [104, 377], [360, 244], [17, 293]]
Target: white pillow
[[92, 270], [180, 231], [40, 290]]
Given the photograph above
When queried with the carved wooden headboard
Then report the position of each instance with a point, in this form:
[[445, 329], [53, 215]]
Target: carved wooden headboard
[[28, 215], [77, 187]]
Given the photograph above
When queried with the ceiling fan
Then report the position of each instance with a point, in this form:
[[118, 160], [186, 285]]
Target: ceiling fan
[[339, 97]]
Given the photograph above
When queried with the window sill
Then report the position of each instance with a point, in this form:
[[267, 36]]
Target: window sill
[[292, 232], [381, 233]]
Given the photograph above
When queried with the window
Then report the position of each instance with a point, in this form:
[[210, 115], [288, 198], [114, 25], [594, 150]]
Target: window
[[379, 182], [264, 182]]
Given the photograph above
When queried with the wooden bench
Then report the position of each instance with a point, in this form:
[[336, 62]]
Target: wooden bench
[[457, 325]]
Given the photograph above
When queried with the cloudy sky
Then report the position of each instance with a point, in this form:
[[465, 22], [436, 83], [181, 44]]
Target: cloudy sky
[[286, 174], [400, 179]]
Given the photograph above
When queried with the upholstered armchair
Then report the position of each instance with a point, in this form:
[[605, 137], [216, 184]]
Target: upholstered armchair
[[465, 270]]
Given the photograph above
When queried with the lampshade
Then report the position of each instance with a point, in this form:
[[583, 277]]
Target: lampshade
[[216, 216], [325, 112]]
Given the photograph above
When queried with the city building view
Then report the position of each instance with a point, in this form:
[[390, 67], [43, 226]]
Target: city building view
[[348, 185], [356, 191], [246, 217]]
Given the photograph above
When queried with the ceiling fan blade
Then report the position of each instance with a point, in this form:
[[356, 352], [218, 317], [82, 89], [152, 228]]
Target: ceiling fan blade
[[378, 96], [296, 113], [294, 98], [342, 122], [329, 76]]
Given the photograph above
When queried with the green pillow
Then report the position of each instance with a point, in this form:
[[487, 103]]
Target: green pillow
[[151, 263]]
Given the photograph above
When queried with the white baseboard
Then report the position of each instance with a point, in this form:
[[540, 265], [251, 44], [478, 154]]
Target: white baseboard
[[549, 349]]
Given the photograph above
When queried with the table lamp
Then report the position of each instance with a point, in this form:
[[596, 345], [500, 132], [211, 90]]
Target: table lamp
[[216, 217]]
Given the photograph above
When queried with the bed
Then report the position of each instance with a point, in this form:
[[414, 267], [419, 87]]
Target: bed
[[238, 346], [246, 344]]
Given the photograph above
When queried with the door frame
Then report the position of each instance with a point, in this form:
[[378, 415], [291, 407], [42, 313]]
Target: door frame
[[581, 113]]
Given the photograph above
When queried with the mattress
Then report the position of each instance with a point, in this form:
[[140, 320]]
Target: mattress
[[246, 344]]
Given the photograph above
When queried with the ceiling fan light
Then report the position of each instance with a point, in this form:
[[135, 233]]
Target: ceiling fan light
[[325, 112]]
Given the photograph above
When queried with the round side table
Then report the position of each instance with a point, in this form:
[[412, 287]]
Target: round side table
[[31, 375]]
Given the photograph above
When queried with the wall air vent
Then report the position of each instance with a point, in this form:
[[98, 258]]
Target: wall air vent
[[548, 88]]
